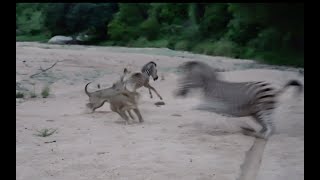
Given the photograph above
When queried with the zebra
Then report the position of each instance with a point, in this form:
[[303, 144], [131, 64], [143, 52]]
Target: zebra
[[139, 79], [233, 99]]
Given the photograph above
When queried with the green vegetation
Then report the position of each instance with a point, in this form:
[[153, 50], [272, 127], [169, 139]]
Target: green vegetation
[[33, 95], [38, 37], [45, 132], [268, 32], [45, 92], [19, 95]]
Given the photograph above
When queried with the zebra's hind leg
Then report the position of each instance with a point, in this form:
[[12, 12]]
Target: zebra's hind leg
[[265, 120], [250, 132]]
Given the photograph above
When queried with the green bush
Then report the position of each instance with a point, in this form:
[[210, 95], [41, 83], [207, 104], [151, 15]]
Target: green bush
[[218, 48], [19, 95], [119, 31], [280, 58], [272, 33], [73, 18], [143, 42], [140, 42], [107, 43], [247, 53], [33, 95], [200, 47], [45, 132], [191, 33], [39, 37], [182, 45], [161, 43], [150, 28], [215, 20], [225, 48], [30, 22], [45, 92], [267, 39]]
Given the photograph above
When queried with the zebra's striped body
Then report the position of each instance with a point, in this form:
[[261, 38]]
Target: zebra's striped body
[[139, 79], [237, 99]]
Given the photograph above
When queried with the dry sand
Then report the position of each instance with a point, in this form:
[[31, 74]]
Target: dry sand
[[174, 142]]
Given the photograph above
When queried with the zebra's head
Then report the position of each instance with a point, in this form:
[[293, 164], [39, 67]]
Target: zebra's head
[[198, 71], [194, 75], [151, 70]]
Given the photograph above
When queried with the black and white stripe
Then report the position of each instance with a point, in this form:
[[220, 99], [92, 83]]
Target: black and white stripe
[[237, 99], [149, 68]]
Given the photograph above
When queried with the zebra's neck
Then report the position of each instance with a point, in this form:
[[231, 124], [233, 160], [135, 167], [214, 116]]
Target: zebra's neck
[[147, 72]]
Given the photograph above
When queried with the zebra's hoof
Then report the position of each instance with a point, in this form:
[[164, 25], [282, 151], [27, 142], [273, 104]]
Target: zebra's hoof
[[247, 129], [248, 132], [181, 93]]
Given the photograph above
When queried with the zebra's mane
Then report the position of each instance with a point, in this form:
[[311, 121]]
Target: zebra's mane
[[146, 66], [200, 70], [149, 68]]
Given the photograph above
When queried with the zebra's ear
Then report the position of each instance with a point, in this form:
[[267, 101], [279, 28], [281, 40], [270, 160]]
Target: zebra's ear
[[153, 63]]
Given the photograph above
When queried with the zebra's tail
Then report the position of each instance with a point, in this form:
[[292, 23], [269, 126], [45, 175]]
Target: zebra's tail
[[292, 83]]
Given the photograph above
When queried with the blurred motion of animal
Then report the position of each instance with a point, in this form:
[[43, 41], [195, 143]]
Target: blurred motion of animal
[[237, 99]]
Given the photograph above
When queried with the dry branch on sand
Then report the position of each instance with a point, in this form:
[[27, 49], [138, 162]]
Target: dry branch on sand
[[44, 70]]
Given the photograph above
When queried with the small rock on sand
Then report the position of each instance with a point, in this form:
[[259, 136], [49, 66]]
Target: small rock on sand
[[159, 103]]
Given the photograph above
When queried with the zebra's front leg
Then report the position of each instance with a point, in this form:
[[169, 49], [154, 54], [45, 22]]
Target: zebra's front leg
[[150, 87], [251, 132], [265, 120], [150, 93]]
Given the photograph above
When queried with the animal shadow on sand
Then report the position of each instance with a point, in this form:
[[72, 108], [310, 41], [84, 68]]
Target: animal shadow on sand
[[122, 122], [212, 130]]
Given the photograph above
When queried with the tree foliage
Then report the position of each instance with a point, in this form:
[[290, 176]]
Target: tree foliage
[[239, 29], [74, 18]]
